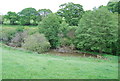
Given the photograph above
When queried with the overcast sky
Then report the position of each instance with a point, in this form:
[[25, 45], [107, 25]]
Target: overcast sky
[[18, 5]]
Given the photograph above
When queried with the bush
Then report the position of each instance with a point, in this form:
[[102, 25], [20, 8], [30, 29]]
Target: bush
[[20, 29], [67, 35], [71, 32], [37, 43], [20, 35], [65, 42], [30, 30], [17, 40], [6, 34]]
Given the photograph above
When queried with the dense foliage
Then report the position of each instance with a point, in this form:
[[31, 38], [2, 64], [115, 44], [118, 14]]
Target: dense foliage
[[114, 6], [71, 12], [50, 27], [6, 34], [63, 29], [44, 12], [98, 31], [37, 43], [28, 14], [17, 40], [93, 30], [12, 17]]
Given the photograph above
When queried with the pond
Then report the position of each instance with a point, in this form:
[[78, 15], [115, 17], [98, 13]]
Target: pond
[[71, 54]]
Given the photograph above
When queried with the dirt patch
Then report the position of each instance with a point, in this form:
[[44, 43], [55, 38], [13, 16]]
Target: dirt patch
[[75, 54]]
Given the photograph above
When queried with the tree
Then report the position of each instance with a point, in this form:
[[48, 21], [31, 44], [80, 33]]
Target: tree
[[44, 12], [114, 6], [97, 31], [71, 12], [103, 7], [27, 15], [12, 17], [50, 27]]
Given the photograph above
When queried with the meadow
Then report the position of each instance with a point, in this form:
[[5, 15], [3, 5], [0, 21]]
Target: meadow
[[0, 64], [17, 64]]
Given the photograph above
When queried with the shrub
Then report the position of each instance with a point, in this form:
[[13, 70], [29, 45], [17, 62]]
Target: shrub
[[65, 42], [37, 43], [50, 27], [6, 34], [17, 40], [71, 32], [20, 29], [20, 35], [30, 30], [67, 35]]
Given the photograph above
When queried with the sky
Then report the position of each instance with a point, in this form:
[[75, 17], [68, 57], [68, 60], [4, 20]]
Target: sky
[[18, 5]]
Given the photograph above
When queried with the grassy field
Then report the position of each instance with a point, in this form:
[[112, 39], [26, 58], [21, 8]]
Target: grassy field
[[19, 64], [0, 64]]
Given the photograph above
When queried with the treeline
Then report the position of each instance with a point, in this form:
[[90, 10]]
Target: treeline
[[70, 11], [28, 16], [93, 30]]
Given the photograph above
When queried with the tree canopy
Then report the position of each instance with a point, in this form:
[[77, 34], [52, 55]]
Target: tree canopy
[[71, 12], [114, 6], [12, 17], [44, 12], [98, 30], [28, 14], [50, 27]]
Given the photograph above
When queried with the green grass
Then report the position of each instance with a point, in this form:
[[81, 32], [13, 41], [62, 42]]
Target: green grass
[[0, 64], [19, 64]]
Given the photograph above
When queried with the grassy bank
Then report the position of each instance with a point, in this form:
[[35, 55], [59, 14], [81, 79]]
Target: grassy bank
[[0, 64], [19, 64]]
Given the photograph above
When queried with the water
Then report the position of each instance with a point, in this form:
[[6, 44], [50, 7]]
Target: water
[[70, 54]]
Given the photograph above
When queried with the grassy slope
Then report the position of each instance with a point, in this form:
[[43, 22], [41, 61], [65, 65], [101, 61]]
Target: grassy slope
[[0, 58], [0, 64], [26, 65]]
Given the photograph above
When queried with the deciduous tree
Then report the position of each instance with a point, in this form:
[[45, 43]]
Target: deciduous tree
[[50, 27], [98, 30], [114, 6], [12, 17], [44, 12], [71, 12], [28, 14]]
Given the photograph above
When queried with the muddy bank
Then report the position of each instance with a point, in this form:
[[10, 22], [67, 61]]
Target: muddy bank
[[76, 54]]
